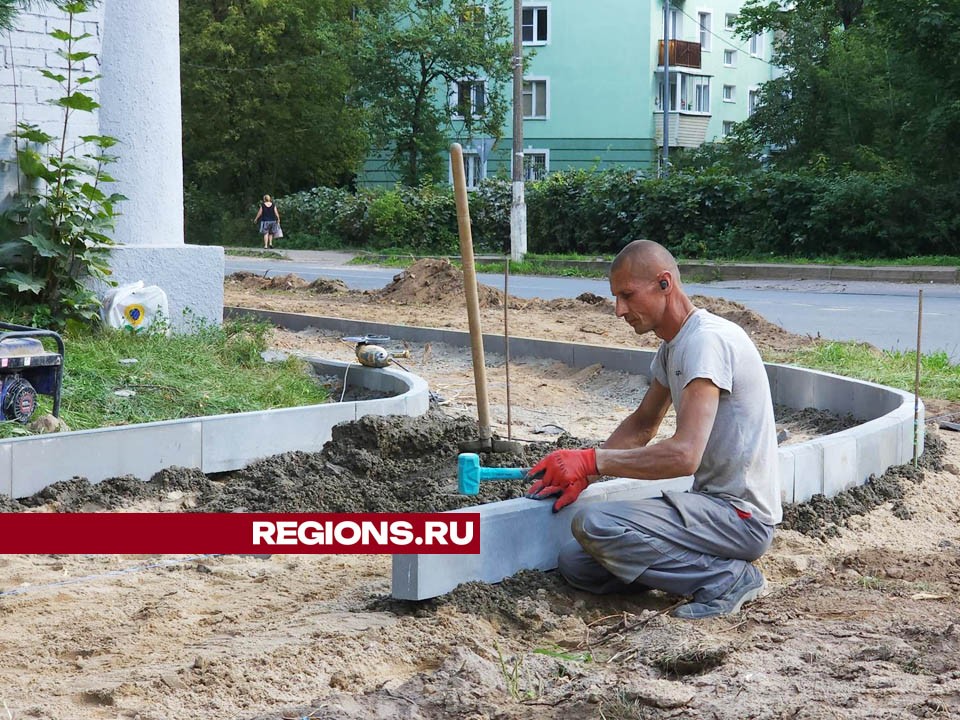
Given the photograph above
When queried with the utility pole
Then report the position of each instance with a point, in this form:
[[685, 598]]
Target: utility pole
[[664, 169], [518, 207]]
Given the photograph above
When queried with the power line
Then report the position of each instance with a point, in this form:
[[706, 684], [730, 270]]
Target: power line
[[728, 42]]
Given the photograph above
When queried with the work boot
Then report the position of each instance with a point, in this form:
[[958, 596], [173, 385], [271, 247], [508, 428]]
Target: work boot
[[747, 587]]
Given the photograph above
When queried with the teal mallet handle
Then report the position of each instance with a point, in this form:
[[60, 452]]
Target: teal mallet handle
[[470, 474]]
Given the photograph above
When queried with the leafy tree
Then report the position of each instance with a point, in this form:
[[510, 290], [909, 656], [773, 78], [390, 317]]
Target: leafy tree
[[430, 69], [266, 91], [922, 41], [809, 111], [866, 85]]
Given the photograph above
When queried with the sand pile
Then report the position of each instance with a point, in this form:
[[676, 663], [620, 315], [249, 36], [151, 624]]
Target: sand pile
[[435, 282]]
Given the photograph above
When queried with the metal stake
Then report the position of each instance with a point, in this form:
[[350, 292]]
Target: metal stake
[[916, 385], [506, 342]]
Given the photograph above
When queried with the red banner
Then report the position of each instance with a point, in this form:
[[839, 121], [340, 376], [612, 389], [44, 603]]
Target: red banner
[[239, 533]]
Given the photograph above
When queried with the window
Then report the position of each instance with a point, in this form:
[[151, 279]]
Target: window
[[534, 99], [676, 25], [468, 96], [536, 163], [730, 58], [534, 25], [704, 31], [727, 127], [729, 20], [756, 45], [692, 94], [696, 94], [673, 92], [473, 169], [753, 99], [729, 93]]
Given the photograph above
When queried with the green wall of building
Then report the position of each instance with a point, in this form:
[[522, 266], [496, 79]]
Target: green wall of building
[[600, 66]]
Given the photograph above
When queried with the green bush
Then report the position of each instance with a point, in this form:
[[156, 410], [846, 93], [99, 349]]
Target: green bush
[[422, 220], [322, 218], [581, 211], [715, 213], [216, 220], [490, 215], [699, 213]]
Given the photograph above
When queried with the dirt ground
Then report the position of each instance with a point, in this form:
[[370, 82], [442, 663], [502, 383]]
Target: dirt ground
[[861, 620]]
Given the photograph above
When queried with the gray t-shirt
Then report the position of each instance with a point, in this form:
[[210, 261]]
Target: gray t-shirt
[[740, 461]]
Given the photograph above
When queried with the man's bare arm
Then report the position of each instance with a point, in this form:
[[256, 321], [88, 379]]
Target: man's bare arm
[[676, 456]]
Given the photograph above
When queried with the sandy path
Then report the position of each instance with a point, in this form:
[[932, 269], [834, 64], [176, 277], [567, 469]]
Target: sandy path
[[861, 625]]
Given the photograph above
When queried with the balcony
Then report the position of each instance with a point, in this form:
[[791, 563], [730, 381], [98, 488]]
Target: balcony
[[686, 130], [682, 54]]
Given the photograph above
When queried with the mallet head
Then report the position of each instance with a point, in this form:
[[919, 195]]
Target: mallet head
[[468, 473]]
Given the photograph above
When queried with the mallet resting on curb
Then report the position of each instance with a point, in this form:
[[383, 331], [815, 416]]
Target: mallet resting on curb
[[470, 474]]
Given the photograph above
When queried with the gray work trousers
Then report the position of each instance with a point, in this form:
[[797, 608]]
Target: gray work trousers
[[684, 543]]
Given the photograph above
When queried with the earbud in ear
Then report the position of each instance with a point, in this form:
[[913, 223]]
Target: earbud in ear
[[664, 284]]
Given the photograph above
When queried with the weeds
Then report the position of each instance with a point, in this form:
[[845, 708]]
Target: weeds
[[695, 660], [511, 676], [560, 654], [914, 666], [622, 708], [61, 218], [870, 582]]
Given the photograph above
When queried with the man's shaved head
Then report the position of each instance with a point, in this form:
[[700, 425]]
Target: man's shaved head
[[653, 257]]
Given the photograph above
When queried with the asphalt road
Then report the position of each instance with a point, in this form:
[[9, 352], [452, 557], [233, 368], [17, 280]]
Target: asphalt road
[[883, 314]]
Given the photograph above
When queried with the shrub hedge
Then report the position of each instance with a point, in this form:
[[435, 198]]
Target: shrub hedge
[[707, 214]]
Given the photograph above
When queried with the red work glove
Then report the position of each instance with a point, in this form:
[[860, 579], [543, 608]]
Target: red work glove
[[563, 473]]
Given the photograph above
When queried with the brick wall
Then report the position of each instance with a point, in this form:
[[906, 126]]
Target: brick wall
[[25, 93]]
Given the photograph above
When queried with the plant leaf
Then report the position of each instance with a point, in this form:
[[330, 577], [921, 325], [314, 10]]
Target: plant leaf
[[32, 165], [78, 101], [92, 193], [44, 246], [23, 282], [56, 77], [31, 133]]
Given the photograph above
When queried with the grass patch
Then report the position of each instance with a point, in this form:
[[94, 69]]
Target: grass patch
[[552, 264], [939, 378], [534, 265], [215, 371], [252, 252], [391, 259], [531, 265], [920, 260]]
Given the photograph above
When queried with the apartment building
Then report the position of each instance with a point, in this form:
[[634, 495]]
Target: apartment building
[[592, 92]]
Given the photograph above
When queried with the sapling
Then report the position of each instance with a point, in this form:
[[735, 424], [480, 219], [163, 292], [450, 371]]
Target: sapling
[[60, 219]]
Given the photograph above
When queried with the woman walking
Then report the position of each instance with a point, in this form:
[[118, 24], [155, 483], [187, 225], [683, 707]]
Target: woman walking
[[269, 217]]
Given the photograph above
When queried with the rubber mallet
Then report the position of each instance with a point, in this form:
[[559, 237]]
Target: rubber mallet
[[470, 474]]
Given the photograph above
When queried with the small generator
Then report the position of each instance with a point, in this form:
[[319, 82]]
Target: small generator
[[27, 369]]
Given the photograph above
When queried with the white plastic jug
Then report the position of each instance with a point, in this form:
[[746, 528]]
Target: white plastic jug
[[136, 308]]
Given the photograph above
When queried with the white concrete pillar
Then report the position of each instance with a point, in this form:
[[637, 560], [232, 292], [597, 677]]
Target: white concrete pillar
[[140, 106]]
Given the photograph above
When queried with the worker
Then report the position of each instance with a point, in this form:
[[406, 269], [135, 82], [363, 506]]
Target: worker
[[699, 543]]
